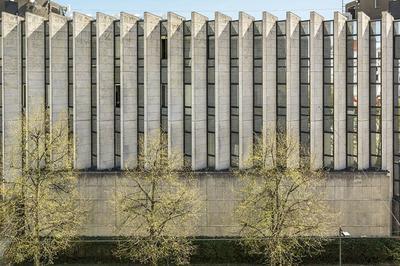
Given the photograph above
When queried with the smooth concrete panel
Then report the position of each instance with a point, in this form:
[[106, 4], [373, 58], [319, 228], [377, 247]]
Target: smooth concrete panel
[[339, 69], [129, 89], [175, 85], [152, 89], [387, 91], [82, 91], [105, 91], [293, 85], [269, 79], [357, 202], [11, 93], [35, 65], [316, 90], [245, 89], [363, 91], [199, 91], [222, 92], [58, 38], [387, 101]]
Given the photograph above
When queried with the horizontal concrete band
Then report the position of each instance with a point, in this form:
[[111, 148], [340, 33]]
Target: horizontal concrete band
[[358, 200]]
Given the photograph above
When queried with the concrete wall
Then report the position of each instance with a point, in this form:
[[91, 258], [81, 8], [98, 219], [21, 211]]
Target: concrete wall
[[387, 92], [151, 77], [222, 89], [363, 91], [269, 77], [82, 91], [316, 90], [175, 84], [199, 91], [35, 70], [339, 69], [129, 88], [58, 34], [360, 200], [293, 84], [105, 91], [245, 89], [11, 93]]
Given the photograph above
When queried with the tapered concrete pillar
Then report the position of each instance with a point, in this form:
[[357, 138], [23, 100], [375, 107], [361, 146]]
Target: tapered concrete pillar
[[199, 91], [245, 89], [316, 90], [293, 83], [11, 93], [269, 79], [363, 91], [58, 93], [151, 78], [82, 90], [128, 91], [105, 91], [175, 85], [222, 92], [387, 91], [339, 69], [35, 66]]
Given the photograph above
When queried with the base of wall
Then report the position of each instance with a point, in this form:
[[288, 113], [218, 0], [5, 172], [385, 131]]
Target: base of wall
[[230, 251]]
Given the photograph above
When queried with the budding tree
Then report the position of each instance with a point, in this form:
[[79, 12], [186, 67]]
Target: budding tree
[[158, 205], [282, 215], [40, 211]]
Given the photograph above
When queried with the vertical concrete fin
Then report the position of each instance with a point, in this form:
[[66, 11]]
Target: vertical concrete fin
[[152, 74], [175, 85], [11, 92], [222, 91], [269, 79], [128, 43], [387, 91], [58, 92], [82, 90], [245, 89], [292, 90], [339, 66], [316, 90], [363, 91], [199, 91], [35, 64], [105, 91]]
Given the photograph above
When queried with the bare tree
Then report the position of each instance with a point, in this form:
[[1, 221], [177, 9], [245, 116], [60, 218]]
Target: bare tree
[[40, 211], [282, 215], [158, 206]]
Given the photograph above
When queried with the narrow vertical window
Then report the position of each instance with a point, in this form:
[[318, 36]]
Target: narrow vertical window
[[281, 77], [305, 90], [257, 82], [70, 83], [164, 78], [117, 95], [210, 94], [375, 95], [46, 80], [23, 84], [234, 92], [140, 85], [187, 91], [23, 67], [93, 98], [328, 95], [352, 94], [1, 106], [47, 66], [396, 120]]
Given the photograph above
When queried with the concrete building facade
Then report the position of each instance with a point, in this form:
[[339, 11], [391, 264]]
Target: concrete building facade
[[215, 87]]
